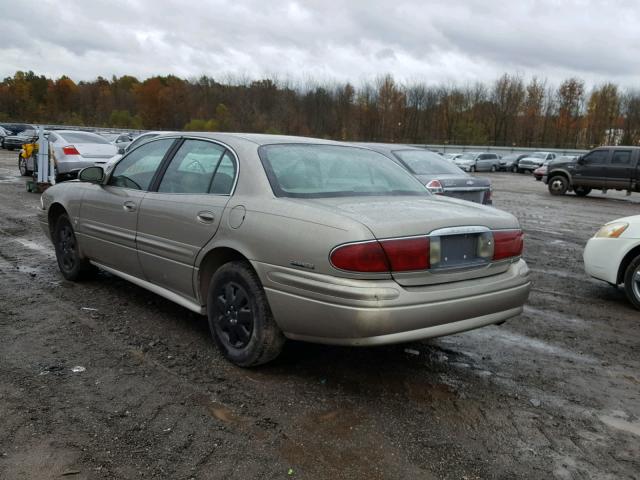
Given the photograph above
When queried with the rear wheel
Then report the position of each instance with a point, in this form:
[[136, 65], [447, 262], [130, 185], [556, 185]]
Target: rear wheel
[[240, 319], [558, 185], [72, 266], [514, 168], [472, 168], [632, 282], [582, 191], [493, 168]]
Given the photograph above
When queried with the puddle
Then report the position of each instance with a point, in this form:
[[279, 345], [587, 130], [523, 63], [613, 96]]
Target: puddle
[[27, 269], [619, 423], [523, 341]]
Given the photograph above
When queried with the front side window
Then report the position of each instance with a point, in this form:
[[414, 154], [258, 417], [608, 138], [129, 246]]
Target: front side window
[[621, 157], [597, 157], [319, 171], [137, 169], [192, 168]]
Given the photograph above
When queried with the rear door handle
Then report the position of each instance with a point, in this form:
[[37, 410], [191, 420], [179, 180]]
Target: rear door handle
[[129, 206], [205, 217]]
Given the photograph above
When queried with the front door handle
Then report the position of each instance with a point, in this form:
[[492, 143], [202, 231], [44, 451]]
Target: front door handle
[[205, 217], [129, 206]]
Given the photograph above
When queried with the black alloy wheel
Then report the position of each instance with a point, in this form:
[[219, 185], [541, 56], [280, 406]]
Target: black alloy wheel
[[235, 315], [240, 318], [72, 265]]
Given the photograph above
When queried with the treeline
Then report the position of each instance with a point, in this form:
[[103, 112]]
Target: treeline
[[508, 111]]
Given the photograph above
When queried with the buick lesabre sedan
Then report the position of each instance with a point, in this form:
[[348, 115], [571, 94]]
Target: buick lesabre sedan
[[277, 237]]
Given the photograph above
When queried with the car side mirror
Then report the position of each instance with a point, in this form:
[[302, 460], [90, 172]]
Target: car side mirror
[[91, 175]]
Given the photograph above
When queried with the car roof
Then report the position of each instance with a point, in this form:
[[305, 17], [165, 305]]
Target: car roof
[[259, 139]]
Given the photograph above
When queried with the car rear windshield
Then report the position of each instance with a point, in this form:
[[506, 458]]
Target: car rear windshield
[[320, 171], [82, 137], [426, 163]]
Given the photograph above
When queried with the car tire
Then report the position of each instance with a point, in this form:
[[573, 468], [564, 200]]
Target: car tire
[[632, 282], [493, 168], [72, 266], [22, 166], [240, 318], [582, 191], [472, 168], [558, 185], [514, 169]]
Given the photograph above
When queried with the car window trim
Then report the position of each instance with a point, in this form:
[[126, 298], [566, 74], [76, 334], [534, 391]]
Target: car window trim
[[169, 150], [226, 148]]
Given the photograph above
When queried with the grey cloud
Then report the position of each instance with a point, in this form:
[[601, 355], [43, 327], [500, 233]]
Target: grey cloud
[[434, 41]]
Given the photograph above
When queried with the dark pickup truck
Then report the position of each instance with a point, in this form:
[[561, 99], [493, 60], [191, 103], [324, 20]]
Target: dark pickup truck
[[605, 168]]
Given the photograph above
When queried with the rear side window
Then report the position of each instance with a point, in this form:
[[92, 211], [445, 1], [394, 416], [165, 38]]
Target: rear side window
[[137, 169], [224, 177], [597, 157], [192, 168], [621, 157]]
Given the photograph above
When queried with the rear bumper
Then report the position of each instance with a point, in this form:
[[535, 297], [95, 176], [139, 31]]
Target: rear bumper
[[325, 309]]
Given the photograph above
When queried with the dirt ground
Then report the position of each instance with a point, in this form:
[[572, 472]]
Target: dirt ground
[[554, 393]]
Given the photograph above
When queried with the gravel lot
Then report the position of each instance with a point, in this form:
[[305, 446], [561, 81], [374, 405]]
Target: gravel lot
[[554, 393]]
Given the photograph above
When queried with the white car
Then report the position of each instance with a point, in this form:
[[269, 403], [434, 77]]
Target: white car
[[613, 255]]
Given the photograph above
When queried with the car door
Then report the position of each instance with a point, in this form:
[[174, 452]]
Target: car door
[[183, 213], [590, 171], [109, 212], [620, 169]]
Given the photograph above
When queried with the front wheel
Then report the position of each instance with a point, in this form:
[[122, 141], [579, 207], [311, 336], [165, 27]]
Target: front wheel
[[514, 169], [472, 168], [632, 282], [582, 191], [22, 166], [493, 168], [558, 185], [72, 266], [240, 319]]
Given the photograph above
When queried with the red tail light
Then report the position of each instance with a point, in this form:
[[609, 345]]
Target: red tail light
[[435, 186], [488, 200], [387, 255], [70, 150], [360, 257], [507, 244]]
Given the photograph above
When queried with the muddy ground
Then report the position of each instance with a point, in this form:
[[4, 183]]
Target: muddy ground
[[554, 393]]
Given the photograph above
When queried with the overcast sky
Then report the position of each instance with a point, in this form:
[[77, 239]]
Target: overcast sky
[[460, 41]]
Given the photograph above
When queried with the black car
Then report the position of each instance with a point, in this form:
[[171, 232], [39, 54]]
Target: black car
[[22, 133], [605, 168], [439, 175], [510, 162]]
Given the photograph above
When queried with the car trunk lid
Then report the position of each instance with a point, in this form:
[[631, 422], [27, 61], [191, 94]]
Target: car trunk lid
[[96, 150], [458, 225]]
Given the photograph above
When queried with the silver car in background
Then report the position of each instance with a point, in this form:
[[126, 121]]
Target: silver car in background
[[276, 237], [439, 175], [478, 162], [70, 151]]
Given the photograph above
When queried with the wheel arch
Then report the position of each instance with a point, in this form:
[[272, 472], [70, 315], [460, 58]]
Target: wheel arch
[[626, 260], [55, 210], [564, 173], [211, 262]]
